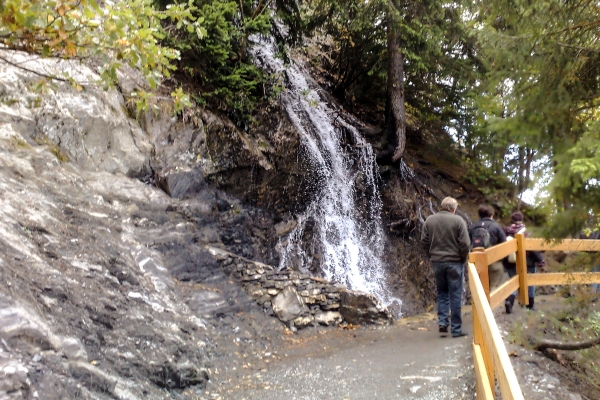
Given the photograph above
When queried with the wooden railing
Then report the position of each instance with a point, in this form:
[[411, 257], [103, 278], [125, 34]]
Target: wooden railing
[[489, 352]]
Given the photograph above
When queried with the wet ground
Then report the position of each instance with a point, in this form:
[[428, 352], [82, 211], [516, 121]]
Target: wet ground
[[409, 360]]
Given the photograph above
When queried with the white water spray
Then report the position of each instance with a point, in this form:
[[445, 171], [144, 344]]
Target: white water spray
[[346, 209]]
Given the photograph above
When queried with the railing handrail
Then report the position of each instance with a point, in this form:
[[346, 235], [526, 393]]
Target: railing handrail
[[488, 347], [507, 379]]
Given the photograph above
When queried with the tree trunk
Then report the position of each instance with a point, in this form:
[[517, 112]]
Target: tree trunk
[[521, 171], [530, 154], [395, 117]]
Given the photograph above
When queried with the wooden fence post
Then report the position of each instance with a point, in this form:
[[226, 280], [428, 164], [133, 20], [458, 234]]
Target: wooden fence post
[[479, 258], [522, 268]]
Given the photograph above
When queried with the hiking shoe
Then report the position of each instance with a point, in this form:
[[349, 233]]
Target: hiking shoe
[[531, 305], [508, 307], [460, 334], [443, 329]]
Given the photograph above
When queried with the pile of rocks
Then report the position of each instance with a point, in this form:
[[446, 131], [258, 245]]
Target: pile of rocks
[[299, 300]]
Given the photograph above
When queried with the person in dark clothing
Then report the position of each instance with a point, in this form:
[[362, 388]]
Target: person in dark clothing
[[446, 240], [496, 236], [534, 260]]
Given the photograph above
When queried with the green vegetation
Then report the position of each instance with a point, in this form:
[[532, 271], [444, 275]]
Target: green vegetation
[[571, 324], [217, 66], [511, 86], [127, 32], [539, 99]]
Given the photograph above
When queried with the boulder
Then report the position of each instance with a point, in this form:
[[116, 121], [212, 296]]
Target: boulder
[[288, 305], [363, 308], [182, 184], [328, 318]]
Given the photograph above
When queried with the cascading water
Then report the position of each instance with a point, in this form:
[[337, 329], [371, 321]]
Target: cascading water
[[346, 209]]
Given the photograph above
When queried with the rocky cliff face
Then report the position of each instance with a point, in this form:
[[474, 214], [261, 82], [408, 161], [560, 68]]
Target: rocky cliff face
[[109, 290]]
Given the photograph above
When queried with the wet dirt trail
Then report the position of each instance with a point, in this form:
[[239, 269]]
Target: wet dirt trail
[[409, 360]]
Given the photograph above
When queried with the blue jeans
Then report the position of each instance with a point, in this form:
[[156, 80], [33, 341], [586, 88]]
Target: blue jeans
[[530, 289], [449, 282]]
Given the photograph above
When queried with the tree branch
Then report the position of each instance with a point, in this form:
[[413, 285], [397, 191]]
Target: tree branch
[[553, 344], [53, 77]]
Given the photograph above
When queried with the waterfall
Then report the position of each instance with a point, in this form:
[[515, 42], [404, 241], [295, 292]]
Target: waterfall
[[345, 212]]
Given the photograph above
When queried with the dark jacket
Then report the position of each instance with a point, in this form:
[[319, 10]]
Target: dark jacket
[[496, 232], [446, 238], [533, 258]]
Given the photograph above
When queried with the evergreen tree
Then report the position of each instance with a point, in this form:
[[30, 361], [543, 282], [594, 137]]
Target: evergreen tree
[[402, 57], [543, 62]]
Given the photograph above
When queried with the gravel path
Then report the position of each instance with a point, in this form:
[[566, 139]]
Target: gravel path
[[409, 360]]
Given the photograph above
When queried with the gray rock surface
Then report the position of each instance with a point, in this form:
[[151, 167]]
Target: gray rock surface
[[108, 291], [328, 318], [288, 305], [363, 308], [89, 127]]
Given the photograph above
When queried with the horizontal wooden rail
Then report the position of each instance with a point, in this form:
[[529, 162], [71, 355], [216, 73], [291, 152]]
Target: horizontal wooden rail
[[563, 278], [483, 384], [565, 245], [507, 380], [489, 352], [499, 251], [498, 296]]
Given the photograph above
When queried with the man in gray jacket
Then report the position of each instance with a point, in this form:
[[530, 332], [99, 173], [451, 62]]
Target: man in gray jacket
[[446, 239]]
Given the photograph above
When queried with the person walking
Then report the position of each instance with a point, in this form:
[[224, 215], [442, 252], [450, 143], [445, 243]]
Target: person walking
[[533, 259], [487, 233], [446, 239]]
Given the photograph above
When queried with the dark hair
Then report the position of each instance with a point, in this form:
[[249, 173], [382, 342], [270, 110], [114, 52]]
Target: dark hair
[[485, 211], [517, 216]]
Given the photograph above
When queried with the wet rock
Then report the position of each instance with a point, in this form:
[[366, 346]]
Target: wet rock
[[182, 184], [207, 302], [288, 305], [195, 264], [223, 205], [363, 308], [285, 227], [178, 146]]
